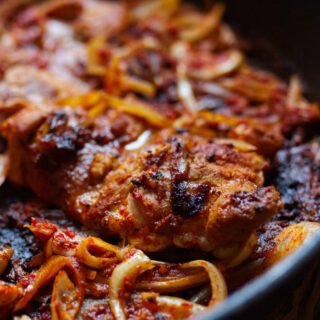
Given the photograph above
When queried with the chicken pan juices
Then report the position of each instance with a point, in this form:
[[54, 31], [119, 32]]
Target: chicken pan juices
[[149, 169]]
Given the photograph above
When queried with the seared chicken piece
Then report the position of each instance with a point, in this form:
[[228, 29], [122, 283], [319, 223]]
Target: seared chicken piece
[[185, 191], [24, 85], [41, 60], [67, 148], [178, 189], [100, 18]]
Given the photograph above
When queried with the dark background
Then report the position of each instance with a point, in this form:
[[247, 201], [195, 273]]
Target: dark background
[[292, 26]]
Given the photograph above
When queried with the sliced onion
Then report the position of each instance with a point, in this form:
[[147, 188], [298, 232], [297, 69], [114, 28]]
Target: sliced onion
[[66, 299], [168, 285], [23, 317], [218, 118], [295, 92], [135, 262], [45, 274], [5, 256], [252, 88], [101, 101], [213, 89], [175, 308], [231, 62], [9, 293], [48, 250], [218, 285], [129, 83], [173, 302], [94, 48], [238, 144], [88, 259], [290, 239], [141, 141], [146, 9], [138, 109], [241, 254], [185, 91], [117, 81], [186, 95], [4, 167], [205, 26], [86, 100]]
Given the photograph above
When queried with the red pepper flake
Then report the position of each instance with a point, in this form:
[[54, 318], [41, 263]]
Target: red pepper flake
[[25, 282], [70, 233], [131, 252]]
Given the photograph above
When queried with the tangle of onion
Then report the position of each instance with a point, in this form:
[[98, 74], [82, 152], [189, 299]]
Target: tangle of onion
[[47, 271], [127, 271], [66, 298], [97, 102], [138, 109], [88, 259], [218, 285], [290, 239]]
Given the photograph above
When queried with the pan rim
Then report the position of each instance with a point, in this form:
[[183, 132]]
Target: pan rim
[[258, 290]]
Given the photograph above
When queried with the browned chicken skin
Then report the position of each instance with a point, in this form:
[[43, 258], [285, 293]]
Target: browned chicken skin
[[178, 189]]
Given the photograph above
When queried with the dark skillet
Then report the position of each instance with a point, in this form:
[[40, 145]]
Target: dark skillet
[[291, 290]]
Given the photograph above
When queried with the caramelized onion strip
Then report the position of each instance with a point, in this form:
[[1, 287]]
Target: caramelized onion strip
[[88, 259], [5, 256], [218, 285], [205, 26], [9, 293], [179, 304], [238, 144], [45, 274], [135, 262], [294, 96], [168, 285], [231, 61], [130, 83], [97, 102], [241, 254], [66, 298], [145, 9], [178, 308], [4, 167], [290, 239], [138, 109], [94, 48]]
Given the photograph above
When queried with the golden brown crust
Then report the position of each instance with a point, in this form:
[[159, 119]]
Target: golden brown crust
[[167, 193]]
